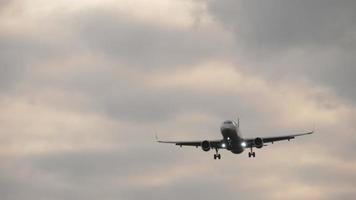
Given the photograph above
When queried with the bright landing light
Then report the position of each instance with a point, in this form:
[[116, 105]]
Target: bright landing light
[[223, 145], [243, 144]]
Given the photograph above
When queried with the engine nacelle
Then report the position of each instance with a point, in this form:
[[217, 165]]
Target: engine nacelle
[[205, 145], [258, 142]]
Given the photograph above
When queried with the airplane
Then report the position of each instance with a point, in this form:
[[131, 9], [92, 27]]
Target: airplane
[[233, 140]]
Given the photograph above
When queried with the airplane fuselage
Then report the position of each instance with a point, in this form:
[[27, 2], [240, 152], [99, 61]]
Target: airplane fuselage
[[232, 137]]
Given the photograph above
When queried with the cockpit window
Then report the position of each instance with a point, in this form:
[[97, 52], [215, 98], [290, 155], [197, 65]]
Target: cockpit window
[[230, 122]]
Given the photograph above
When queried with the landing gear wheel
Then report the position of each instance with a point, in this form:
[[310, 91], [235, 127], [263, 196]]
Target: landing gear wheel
[[217, 156], [251, 154]]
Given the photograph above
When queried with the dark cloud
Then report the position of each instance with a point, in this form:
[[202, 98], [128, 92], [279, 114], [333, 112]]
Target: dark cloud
[[277, 24], [287, 39]]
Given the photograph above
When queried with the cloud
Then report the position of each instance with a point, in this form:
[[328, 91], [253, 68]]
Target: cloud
[[4, 4], [276, 24], [300, 40], [131, 42], [11, 68], [85, 85]]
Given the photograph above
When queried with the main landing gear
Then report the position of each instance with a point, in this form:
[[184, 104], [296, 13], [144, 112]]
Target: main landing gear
[[217, 155], [251, 154]]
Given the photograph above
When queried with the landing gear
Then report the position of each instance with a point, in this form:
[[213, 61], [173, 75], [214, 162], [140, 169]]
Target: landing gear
[[251, 154], [217, 155]]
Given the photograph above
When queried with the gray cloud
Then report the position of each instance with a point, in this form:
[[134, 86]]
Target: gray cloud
[[93, 69], [4, 4], [124, 43], [21, 52], [14, 56], [276, 24], [135, 43], [327, 175], [285, 39]]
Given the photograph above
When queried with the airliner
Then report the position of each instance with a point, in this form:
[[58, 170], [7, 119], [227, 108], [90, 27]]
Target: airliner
[[233, 140]]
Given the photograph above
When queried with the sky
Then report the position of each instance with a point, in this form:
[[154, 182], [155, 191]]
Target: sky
[[86, 84]]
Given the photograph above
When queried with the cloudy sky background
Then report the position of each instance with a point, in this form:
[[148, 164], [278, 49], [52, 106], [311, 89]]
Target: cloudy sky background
[[85, 84]]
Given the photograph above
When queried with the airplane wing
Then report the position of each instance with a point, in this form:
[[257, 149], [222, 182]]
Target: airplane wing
[[250, 141], [213, 143]]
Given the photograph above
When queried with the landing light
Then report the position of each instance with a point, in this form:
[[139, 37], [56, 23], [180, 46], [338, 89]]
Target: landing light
[[223, 145], [243, 144]]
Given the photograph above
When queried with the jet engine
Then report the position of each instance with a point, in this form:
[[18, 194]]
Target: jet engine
[[205, 145], [258, 142]]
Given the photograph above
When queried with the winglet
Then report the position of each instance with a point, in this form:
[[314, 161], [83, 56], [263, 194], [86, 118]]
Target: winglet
[[156, 137], [311, 132], [313, 127]]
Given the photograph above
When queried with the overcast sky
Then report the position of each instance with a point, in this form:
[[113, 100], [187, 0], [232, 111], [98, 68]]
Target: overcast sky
[[85, 84]]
